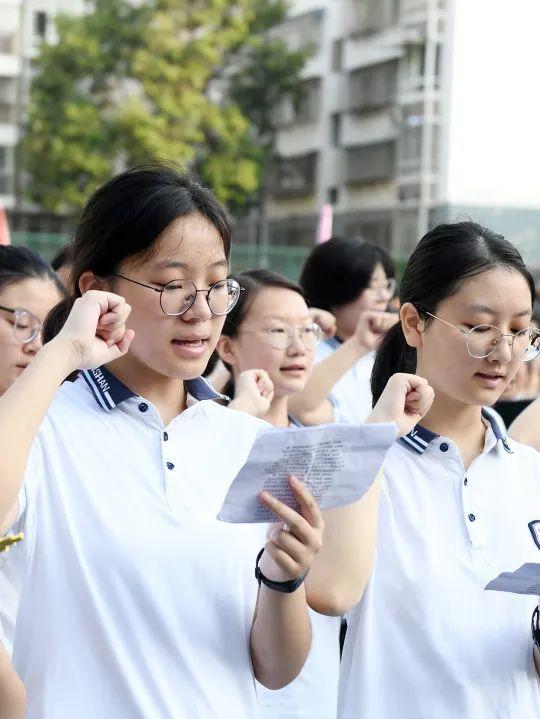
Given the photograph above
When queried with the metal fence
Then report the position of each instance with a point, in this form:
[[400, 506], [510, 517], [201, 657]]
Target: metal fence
[[286, 260]]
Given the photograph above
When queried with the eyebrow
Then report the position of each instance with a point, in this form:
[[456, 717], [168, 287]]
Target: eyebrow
[[174, 264], [488, 311], [284, 319]]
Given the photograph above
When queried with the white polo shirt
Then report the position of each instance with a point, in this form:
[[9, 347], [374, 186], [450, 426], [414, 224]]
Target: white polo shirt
[[426, 641], [11, 573], [136, 602], [351, 395]]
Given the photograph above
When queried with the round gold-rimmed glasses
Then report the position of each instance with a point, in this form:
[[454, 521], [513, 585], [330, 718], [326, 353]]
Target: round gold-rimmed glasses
[[483, 340]]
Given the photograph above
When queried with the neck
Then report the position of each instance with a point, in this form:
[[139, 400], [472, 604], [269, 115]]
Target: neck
[[166, 394], [278, 415], [459, 422]]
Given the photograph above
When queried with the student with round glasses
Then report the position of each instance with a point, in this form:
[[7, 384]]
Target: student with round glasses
[[457, 497], [28, 290], [354, 280], [136, 600]]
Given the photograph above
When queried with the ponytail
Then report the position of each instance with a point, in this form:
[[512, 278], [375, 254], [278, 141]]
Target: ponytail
[[394, 355], [56, 319]]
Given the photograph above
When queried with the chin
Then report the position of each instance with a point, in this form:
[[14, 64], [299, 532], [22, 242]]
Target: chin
[[182, 369], [485, 398], [291, 387]]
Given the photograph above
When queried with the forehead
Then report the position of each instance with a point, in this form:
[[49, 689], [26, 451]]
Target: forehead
[[502, 290], [378, 271], [35, 295], [278, 302], [188, 243]]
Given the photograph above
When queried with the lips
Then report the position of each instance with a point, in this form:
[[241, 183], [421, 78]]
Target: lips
[[293, 368], [489, 375], [190, 347]]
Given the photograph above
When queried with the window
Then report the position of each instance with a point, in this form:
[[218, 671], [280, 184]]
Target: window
[[370, 16], [337, 55], [295, 176], [335, 130], [373, 87], [304, 109], [370, 163], [40, 23]]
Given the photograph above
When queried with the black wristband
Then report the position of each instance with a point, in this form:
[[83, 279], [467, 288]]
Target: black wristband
[[535, 628], [286, 587]]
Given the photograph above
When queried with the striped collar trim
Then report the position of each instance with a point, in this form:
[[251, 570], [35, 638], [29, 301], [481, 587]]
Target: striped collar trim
[[419, 438], [109, 391], [333, 342]]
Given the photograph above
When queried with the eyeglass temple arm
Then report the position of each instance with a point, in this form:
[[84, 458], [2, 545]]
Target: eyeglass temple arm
[[136, 282], [465, 332], [7, 309]]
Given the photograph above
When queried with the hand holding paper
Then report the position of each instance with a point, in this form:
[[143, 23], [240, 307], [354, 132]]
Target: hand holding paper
[[337, 462]]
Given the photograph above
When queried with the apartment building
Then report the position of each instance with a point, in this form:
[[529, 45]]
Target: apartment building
[[414, 111]]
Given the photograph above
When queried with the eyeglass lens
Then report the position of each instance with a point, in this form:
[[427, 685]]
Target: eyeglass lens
[[483, 340], [179, 295], [26, 326], [282, 336]]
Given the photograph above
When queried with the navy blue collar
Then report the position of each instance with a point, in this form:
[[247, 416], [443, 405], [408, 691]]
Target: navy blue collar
[[333, 342], [419, 438], [109, 391]]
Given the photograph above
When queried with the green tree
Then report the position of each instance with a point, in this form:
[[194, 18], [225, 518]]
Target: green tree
[[127, 83]]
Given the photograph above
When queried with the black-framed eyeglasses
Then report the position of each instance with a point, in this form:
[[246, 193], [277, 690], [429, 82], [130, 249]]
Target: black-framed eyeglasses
[[483, 340], [26, 326], [177, 296]]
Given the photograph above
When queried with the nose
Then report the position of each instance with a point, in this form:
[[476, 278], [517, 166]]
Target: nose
[[200, 309], [33, 347], [296, 346], [503, 353]]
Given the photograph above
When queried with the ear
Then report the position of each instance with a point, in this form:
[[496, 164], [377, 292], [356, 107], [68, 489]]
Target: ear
[[412, 324], [88, 281], [225, 349]]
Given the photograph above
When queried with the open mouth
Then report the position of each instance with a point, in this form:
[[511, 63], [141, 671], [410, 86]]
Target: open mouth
[[190, 347]]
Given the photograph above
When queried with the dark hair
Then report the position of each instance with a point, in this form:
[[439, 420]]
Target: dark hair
[[443, 259], [123, 218], [21, 263], [252, 282], [62, 258], [339, 270]]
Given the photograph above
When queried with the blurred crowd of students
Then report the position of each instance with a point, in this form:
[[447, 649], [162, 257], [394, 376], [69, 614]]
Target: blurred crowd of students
[[127, 598]]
